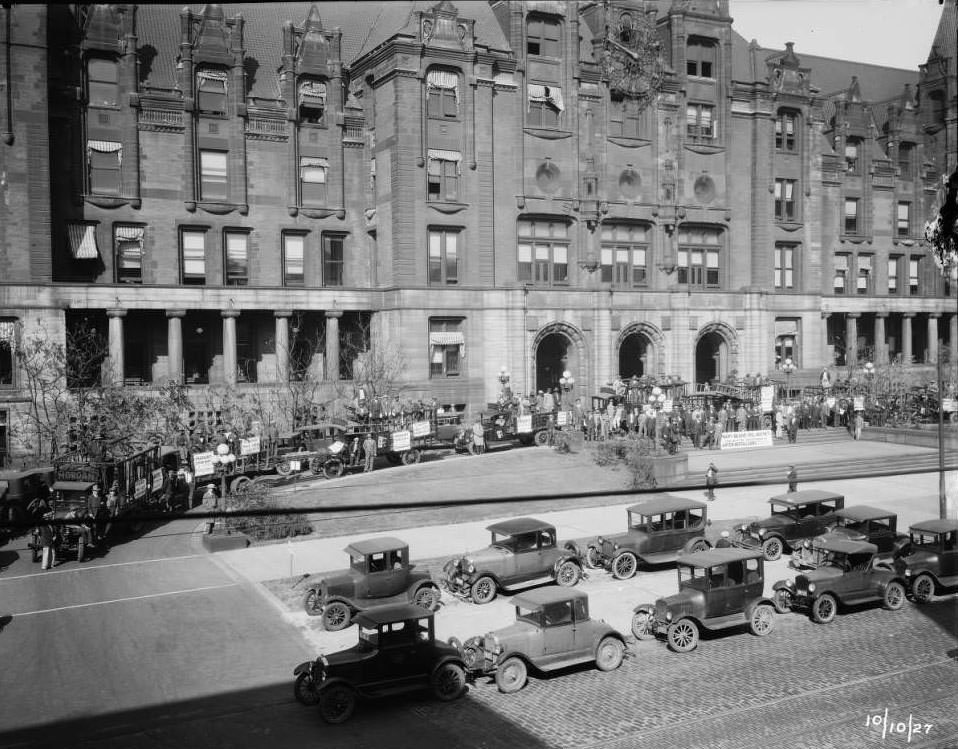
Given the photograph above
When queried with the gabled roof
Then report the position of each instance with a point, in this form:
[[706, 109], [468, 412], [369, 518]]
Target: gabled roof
[[944, 40], [375, 545], [519, 525], [860, 513], [533, 599], [805, 496], [365, 25], [665, 503]]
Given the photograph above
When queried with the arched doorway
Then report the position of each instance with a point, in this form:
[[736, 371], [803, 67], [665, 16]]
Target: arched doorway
[[711, 357], [554, 355], [635, 356]]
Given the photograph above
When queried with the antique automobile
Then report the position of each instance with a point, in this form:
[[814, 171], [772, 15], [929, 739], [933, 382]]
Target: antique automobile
[[552, 630], [659, 530], [856, 523], [848, 575], [17, 490], [397, 652], [796, 516], [67, 499], [379, 573], [523, 551], [313, 447], [718, 589], [929, 560]]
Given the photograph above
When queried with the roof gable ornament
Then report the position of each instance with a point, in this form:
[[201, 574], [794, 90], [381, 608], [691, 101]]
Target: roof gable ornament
[[104, 26], [785, 74], [209, 32], [440, 26], [311, 49], [854, 90]]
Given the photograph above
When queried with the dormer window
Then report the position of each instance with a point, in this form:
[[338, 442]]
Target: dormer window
[[312, 102], [542, 37], [853, 156], [102, 86], [211, 91], [442, 94], [700, 58]]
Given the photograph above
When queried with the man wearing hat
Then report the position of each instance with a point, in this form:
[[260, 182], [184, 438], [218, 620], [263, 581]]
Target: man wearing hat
[[792, 477], [47, 535], [211, 503], [711, 481]]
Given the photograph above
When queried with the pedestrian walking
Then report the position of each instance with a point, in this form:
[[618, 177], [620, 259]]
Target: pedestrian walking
[[369, 453], [711, 481], [859, 423], [210, 504], [47, 539], [792, 478], [478, 438]]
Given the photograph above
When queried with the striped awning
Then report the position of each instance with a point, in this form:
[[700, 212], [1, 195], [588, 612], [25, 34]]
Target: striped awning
[[549, 94], [83, 241], [8, 331], [212, 75], [128, 233], [443, 79], [446, 338], [438, 153], [314, 161], [313, 92]]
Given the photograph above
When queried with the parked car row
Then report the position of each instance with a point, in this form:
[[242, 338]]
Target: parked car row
[[853, 556]]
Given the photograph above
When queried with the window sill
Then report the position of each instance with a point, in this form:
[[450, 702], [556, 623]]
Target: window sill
[[216, 207], [316, 212], [703, 145], [855, 238], [445, 206], [906, 241], [110, 201], [629, 141], [788, 225], [547, 133]]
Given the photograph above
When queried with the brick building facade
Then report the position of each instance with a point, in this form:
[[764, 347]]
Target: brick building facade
[[236, 192]]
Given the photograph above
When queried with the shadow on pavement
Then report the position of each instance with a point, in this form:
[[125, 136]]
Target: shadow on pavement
[[269, 715]]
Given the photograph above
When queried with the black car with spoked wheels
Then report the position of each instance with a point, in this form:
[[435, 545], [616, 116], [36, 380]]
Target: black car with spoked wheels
[[796, 517], [659, 530], [718, 589], [397, 652], [929, 559], [851, 572], [379, 573]]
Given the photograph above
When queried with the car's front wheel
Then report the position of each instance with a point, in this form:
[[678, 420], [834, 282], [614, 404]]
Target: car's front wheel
[[305, 690], [894, 597], [593, 558], [448, 682], [772, 549], [511, 675], [337, 703], [642, 625], [427, 597], [824, 608], [313, 602], [683, 636], [624, 565], [783, 600], [568, 574], [762, 621], [609, 655], [923, 588], [336, 616], [483, 590]]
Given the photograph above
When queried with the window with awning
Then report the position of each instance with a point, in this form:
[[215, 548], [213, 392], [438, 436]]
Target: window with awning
[[551, 95], [211, 87], [447, 347], [83, 244], [104, 159], [442, 170], [442, 93], [313, 175], [128, 242], [312, 101]]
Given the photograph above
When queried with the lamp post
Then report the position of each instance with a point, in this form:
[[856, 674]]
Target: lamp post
[[869, 372], [657, 401], [223, 458], [788, 367], [566, 383], [504, 377]]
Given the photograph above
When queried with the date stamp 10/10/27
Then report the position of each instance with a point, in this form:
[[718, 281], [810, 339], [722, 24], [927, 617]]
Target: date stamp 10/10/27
[[902, 728]]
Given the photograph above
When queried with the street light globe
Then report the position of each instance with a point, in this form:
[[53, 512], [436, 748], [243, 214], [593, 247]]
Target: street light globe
[[222, 449], [502, 369], [656, 392], [567, 374]]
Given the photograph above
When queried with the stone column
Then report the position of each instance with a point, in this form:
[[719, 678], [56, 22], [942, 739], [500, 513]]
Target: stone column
[[117, 367], [229, 345], [906, 336], [953, 334], [851, 338], [174, 344], [933, 337], [332, 344], [881, 345], [282, 344]]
